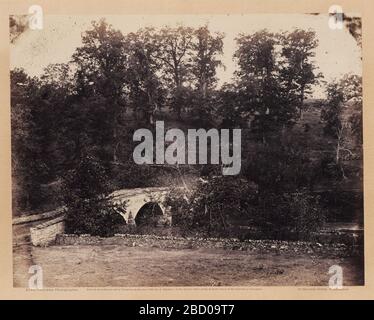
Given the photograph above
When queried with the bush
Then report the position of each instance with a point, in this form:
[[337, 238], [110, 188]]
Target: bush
[[213, 206], [86, 195], [227, 206], [291, 216]]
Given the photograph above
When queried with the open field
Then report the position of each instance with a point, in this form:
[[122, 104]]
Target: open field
[[121, 266]]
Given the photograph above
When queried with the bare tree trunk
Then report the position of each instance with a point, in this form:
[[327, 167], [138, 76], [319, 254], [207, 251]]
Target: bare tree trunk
[[152, 108], [115, 134], [301, 102]]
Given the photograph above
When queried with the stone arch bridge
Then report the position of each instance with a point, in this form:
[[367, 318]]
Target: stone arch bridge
[[139, 198], [42, 228]]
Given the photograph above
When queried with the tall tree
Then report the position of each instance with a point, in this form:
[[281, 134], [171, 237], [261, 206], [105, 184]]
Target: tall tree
[[258, 79], [30, 136], [146, 89], [206, 49], [298, 70], [57, 88], [343, 118], [101, 72], [175, 49]]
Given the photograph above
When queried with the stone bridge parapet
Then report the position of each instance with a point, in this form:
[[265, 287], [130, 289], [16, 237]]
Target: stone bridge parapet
[[46, 231]]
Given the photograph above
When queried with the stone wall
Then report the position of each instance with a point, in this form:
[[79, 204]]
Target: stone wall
[[45, 233], [167, 242], [40, 216]]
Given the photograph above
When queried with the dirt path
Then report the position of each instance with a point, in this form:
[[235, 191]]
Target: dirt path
[[121, 266]]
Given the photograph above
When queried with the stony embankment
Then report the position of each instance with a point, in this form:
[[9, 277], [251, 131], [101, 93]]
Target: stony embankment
[[258, 246]]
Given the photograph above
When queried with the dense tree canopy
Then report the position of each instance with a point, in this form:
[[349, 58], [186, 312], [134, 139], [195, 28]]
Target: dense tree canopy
[[116, 83]]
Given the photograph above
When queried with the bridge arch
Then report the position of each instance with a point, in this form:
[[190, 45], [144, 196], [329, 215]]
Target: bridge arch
[[149, 214], [141, 200]]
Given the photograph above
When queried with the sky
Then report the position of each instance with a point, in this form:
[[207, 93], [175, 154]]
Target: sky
[[337, 53]]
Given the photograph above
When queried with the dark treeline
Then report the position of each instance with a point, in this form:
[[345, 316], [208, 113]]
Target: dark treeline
[[116, 83]]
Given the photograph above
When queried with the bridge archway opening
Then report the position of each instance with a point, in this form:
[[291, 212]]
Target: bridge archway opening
[[148, 214]]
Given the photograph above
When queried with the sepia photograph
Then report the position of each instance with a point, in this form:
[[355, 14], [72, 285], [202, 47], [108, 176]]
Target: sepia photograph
[[187, 150]]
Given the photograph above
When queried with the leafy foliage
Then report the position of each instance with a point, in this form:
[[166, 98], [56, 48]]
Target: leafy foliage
[[89, 206], [275, 74], [117, 82], [212, 205], [281, 168], [287, 216], [342, 117]]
